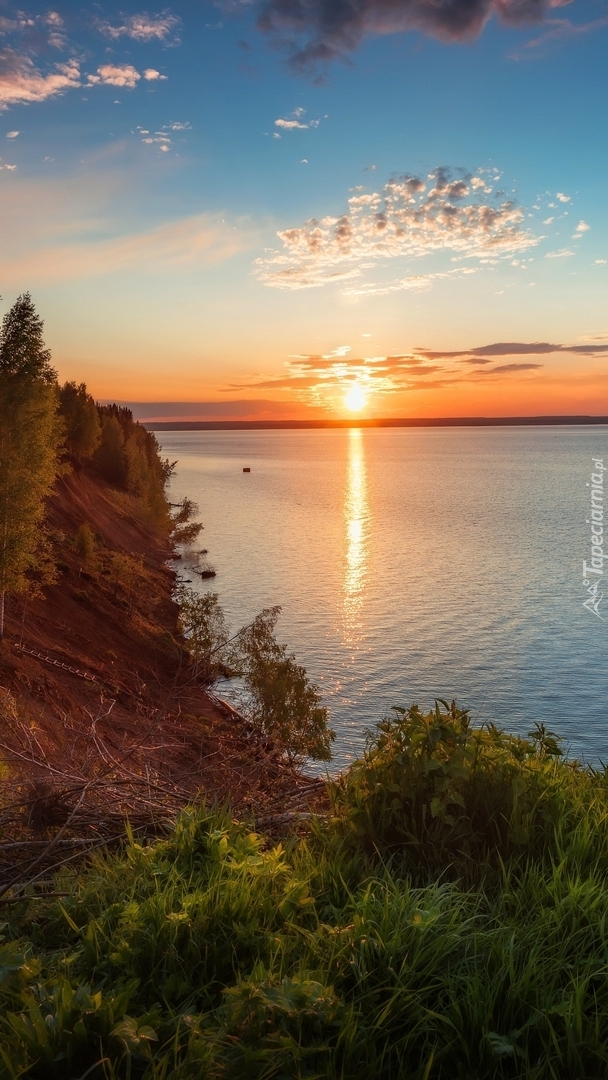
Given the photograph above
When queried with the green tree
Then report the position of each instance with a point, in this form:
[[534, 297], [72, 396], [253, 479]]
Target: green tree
[[109, 458], [127, 571], [31, 432], [79, 411], [203, 624], [84, 543], [184, 530], [282, 702]]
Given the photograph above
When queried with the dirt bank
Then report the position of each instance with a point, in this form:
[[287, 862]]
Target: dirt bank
[[102, 695]]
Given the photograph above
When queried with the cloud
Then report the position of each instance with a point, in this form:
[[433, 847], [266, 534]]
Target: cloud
[[563, 253], [315, 32], [89, 224], [504, 369], [12, 134], [21, 83], [151, 75], [560, 31], [513, 348], [581, 228], [142, 27], [159, 138], [122, 75], [294, 122], [318, 378], [413, 283], [290, 125], [410, 216], [196, 241]]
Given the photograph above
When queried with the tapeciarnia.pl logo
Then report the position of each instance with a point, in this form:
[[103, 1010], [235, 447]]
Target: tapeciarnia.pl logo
[[594, 570]]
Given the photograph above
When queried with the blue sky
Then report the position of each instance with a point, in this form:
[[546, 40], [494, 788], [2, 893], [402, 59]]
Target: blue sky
[[149, 158]]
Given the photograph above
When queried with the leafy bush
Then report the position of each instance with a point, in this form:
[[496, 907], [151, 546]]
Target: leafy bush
[[458, 799]]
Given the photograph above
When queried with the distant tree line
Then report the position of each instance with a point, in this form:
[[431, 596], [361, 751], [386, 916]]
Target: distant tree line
[[45, 430]]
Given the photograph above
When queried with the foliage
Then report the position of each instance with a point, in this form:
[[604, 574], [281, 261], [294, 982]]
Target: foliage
[[214, 953], [185, 531], [438, 789], [281, 700], [83, 429], [84, 543], [128, 457], [126, 571], [203, 624], [109, 457], [22, 350], [30, 435]]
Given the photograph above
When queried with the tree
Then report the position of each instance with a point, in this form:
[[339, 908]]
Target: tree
[[282, 702], [79, 411], [109, 457], [31, 432], [185, 531], [84, 543], [127, 571], [203, 624]]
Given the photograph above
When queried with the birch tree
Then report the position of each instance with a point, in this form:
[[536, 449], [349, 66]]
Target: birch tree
[[30, 436]]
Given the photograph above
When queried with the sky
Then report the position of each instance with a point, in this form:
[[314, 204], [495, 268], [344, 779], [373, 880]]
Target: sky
[[305, 208]]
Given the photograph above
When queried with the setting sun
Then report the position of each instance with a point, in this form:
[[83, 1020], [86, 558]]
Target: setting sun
[[356, 399]]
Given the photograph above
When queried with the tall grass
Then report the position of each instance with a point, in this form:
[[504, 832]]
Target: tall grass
[[404, 937]]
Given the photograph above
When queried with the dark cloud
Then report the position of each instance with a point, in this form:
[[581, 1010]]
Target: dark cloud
[[503, 369], [318, 31], [514, 348]]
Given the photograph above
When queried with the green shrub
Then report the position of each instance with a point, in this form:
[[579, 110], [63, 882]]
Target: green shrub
[[458, 799]]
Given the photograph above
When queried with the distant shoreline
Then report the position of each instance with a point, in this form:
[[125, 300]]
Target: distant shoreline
[[415, 422]]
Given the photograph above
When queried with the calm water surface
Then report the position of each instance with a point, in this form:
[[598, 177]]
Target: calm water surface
[[412, 564]]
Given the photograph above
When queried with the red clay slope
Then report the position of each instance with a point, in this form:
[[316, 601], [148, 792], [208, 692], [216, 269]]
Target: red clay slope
[[145, 702]]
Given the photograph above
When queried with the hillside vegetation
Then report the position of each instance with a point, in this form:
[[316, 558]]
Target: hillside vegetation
[[446, 919]]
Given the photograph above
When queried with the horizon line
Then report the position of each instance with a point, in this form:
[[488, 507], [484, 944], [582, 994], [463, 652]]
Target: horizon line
[[435, 421]]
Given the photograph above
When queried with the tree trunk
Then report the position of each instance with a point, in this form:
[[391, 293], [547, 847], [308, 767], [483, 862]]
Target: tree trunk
[[1, 615]]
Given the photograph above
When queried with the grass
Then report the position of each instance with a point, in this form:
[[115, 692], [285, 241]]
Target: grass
[[449, 921]]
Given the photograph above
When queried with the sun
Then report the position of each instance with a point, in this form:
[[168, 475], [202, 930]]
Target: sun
[[356, 399]]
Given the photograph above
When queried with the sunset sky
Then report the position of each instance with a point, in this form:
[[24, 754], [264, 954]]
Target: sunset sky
[[303, 208]]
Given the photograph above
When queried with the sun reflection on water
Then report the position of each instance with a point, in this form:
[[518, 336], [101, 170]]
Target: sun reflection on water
[[356, 520]]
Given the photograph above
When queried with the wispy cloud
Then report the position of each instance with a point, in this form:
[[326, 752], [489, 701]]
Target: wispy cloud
[[411, 216], [192, 242], [559, 32], [514, 348], [87, 225], [21, 82], [142, 27], [318, 378]]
